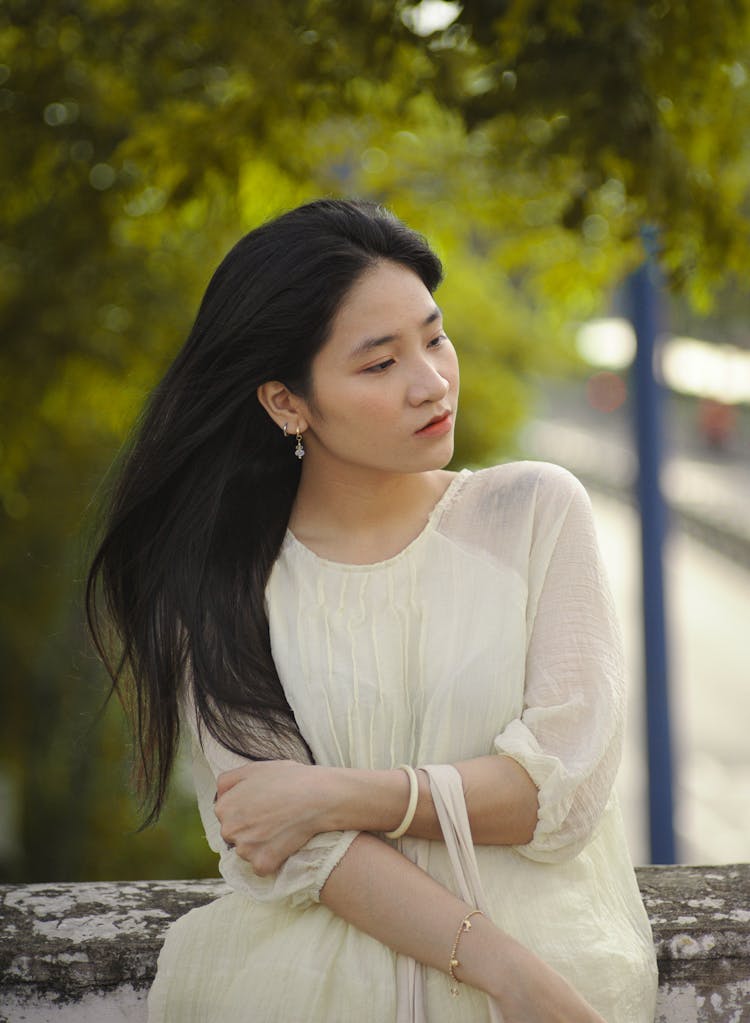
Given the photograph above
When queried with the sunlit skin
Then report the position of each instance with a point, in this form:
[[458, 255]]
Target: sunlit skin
[[369, 476], [387, 369]]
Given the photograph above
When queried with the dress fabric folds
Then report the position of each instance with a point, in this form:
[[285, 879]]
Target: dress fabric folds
[[492, 631]]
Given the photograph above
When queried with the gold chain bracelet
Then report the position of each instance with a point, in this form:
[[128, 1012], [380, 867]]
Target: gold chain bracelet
[[465, 926]]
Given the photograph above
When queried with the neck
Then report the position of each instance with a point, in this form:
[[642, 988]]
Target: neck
[[358, 503]]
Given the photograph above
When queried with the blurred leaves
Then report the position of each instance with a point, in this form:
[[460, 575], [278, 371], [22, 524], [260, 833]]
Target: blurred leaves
[[528, 140]]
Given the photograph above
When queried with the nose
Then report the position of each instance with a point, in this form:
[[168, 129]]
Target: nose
[[427, 384]]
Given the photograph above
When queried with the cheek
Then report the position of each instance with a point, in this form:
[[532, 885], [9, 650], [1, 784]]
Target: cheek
[[374, 410], [376, 398], [358, 410]]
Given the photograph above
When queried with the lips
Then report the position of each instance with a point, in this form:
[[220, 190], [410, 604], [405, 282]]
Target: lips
[[435, 419]]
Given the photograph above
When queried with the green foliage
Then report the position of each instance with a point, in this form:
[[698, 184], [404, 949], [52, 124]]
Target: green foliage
[[527, 140], [641, 101]]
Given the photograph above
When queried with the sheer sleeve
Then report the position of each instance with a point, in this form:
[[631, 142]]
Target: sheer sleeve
[[302, 876], [569, 736]]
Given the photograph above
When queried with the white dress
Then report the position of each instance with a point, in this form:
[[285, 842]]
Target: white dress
[[492, 630]]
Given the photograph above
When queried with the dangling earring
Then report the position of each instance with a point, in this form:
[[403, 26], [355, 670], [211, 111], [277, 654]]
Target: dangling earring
[[299, 450]]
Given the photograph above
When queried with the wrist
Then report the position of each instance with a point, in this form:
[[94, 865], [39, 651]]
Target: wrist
[[363, 800], [329, 797], [481, 955]]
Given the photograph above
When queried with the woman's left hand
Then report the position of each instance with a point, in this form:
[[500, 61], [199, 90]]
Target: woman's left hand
[[270, 809]]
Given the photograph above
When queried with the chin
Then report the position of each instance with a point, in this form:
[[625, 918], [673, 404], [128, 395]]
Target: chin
[[440, 458]]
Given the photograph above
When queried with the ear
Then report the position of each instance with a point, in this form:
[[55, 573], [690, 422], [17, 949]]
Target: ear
[[283, 406]]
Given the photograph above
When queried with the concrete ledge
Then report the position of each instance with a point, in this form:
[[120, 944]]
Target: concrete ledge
[[701, 922], [87, 952]]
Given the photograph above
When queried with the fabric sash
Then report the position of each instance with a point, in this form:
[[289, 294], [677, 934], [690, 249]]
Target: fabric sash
[[448, 796]]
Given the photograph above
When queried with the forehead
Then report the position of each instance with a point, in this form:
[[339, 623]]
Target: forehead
[[387, 299]]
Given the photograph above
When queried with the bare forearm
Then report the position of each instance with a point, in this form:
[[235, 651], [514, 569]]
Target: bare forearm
[[385, 895], [381, 892], [501, 801]]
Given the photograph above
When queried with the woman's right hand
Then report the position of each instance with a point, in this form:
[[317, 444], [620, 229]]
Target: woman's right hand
[[527, 990]]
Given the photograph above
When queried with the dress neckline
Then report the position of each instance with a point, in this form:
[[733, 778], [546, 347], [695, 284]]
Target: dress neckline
[[445, 499]]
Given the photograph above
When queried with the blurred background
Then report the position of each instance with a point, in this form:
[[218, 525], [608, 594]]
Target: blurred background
[[531, 142]]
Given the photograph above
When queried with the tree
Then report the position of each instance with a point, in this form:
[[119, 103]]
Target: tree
[[527, 140]]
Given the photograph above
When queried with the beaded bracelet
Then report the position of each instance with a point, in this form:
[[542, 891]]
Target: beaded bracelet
[[411, 808], [465, 926]]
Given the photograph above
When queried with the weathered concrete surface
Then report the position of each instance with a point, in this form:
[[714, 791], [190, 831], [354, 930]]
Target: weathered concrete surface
[[87, 952], [122, 1004], [701, 922]]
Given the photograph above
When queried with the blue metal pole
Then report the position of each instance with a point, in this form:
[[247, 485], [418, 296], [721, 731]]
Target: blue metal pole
[[643, 296]]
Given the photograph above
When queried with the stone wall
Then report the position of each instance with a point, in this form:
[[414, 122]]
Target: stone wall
[[87, 952]]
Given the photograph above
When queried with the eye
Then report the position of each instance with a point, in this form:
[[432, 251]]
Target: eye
[[436, 342], [380, 367]]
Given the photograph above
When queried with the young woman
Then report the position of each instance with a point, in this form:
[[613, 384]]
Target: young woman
[[402, 685]]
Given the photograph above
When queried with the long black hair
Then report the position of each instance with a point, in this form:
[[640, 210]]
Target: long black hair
[[175, 593]]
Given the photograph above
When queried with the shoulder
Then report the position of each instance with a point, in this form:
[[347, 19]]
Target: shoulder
[[529, 485], [507, 511]]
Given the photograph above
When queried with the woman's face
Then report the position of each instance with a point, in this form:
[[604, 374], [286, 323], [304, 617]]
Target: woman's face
[[385, 384]]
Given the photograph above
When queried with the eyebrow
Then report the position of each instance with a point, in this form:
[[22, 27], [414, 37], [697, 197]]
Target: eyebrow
[[370, 343]]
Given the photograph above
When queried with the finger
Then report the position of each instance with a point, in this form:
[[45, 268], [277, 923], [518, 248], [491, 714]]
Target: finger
[[228, 779]]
